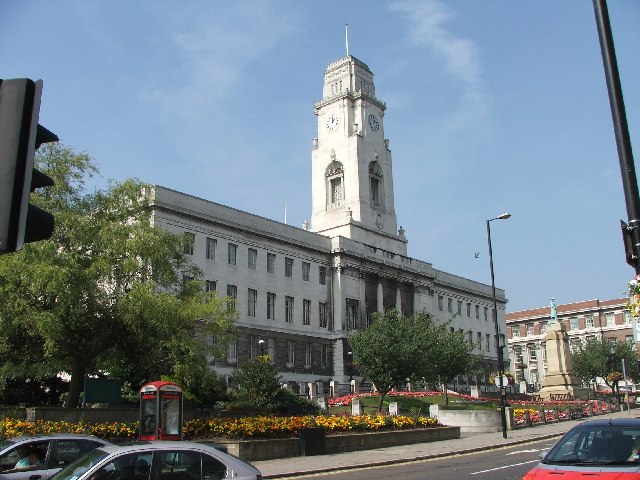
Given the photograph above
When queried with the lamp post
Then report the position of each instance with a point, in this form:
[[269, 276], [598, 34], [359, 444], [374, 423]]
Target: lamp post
[[500, 347], [261, 343]]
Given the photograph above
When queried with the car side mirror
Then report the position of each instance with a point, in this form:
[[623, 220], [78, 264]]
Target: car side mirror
[[542, 454]]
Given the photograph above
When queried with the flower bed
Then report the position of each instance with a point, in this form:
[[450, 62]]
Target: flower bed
[[233, 428]]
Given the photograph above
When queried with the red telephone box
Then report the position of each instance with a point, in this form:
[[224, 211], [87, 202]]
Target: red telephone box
[[160, 411]]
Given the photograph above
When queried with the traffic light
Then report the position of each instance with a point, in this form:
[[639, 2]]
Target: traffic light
[[20, 137]]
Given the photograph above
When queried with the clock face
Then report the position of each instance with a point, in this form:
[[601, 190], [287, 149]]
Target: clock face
[[374, 123], [332, 122]]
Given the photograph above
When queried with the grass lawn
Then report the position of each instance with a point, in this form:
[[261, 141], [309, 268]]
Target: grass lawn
[[413, 405]]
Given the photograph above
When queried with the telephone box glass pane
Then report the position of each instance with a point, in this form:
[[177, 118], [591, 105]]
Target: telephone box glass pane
[[170, 415], [148, 426]]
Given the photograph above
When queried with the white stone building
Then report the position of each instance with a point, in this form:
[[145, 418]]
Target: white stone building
[[300, 291]]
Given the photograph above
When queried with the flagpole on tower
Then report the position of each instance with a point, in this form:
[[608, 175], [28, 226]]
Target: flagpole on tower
[[346, 37]]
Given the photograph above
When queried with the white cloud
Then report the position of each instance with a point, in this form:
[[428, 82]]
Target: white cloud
[[427, 28]]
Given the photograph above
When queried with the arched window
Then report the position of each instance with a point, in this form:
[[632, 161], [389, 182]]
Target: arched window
[[376, 185], [335, 184]]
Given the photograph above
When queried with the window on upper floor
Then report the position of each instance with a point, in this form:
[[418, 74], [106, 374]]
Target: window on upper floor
[[440, 303], [291, 352], [486, 313], [288, 267], [210, 285], [459, 307], [610, 319], [288, 309], [252, 300], [477, 312], [211, 248], [324, 356], [529, 328], [306, 312], [573, 323], [515, 331], [450, 305], [322, 311], [322, 275], [232, 293], [468, 309], [271, 306], [588, 321], [271, 263], [627, 316], [232, 250], [252, 258], [306, 268], [188, 243], [307, 354]]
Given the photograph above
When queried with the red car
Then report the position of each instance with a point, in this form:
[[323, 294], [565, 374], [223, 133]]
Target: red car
[[605, 449]]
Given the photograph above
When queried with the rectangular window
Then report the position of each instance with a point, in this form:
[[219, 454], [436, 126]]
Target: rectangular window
[[271, 348], [211, 248], [189, 241], [627, 316], [588, 321], [253, 344], [543, 327], [336, 191], [306, 312], [518, 354], [271, 306], [323, 314], [291, 352], [232, 250], [450, 305], [477, 312], [533, 354], [375, 191], [440, 303], [515, 331], [352, 313], [459, 307], [252, 257], [232, 349], [479, 341], [252, 299], [573, 323], [210, 285], [232, 293], [307, 355], [487, 343], [610, 319], [324, 356], [306, 267], [322, 275], [288, 309], [529, 328], [486, 313], [271, 263], [288, 267], [469, 310]]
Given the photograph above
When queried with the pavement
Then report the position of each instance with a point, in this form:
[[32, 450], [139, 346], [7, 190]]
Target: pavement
[[469, 443]]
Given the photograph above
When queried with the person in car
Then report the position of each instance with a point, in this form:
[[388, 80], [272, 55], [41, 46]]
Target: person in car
[[34, 458]]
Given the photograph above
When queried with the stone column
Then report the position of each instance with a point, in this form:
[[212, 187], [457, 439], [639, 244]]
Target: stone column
[[380, 297], [398, 299]]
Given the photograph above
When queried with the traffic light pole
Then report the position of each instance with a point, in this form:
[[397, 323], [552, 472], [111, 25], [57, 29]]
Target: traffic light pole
[[631, 232]]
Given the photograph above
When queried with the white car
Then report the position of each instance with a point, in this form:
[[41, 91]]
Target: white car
[[37, 457], [159, 461]]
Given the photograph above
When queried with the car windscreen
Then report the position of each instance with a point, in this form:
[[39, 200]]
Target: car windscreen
[[76, 469], [6, 443], [597, 445]]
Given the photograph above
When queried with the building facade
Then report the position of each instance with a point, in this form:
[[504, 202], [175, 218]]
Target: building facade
[[301, 291], [590, 319]]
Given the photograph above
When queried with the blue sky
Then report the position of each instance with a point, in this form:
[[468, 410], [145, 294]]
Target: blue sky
[[492, 106]]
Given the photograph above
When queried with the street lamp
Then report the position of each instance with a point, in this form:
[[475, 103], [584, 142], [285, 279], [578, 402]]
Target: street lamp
[[500, 347], [261, 343]]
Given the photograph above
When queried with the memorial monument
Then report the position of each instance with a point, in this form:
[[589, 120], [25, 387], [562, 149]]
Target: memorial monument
[[559, 378]]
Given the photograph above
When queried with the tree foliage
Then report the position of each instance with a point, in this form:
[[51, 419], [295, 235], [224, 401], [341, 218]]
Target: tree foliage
[[106, 291], [593, 359], [394, 349]]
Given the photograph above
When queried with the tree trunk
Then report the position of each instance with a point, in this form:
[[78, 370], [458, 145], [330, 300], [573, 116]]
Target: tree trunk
[[446, 395], [75, 386]]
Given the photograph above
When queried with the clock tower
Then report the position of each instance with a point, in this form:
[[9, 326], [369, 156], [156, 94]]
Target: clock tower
[[352, 181]]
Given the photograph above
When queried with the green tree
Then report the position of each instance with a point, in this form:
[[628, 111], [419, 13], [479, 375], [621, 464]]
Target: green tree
[[593, 359], [451, 356], [255, 383], [393, 349], [107, 289]]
